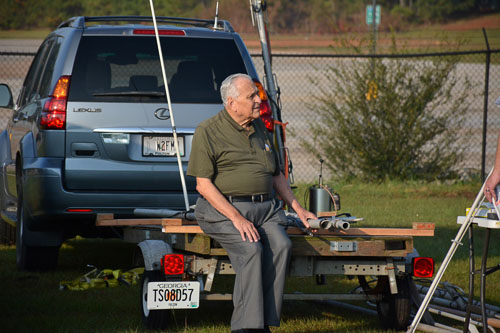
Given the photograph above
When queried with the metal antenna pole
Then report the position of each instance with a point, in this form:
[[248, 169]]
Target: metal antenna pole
[[216, 14], [485, 105], [174, 130], [258, 7], [454, 245]]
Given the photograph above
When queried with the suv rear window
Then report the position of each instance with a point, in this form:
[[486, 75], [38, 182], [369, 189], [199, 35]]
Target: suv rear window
[[127, 69]]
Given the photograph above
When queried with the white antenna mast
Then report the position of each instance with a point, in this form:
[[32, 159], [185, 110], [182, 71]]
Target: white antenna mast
[[216, 14], [174, 130]]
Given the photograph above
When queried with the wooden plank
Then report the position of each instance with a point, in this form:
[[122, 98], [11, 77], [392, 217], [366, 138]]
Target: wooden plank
[[188, 229], [109, 220], [423, 225], [326, 214], [103, 217], [195, 243], [365, 247], [177, 222], [218, 252], [183, 226], [369, 232]]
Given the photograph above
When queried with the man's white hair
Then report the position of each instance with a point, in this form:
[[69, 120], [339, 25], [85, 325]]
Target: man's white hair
[[228, 88]]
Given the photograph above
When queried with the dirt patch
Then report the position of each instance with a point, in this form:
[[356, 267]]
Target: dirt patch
[[304, 43]]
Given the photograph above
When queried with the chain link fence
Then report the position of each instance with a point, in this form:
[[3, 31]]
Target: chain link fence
[[13, 68], [293, 75]]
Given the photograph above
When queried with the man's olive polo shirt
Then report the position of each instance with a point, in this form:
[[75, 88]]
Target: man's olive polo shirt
[[239, 162]]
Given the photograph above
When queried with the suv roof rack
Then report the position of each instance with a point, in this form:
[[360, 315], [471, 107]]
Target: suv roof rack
[[79, 21]]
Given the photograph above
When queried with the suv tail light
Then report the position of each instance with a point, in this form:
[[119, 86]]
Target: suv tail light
[[173, 264], [54, 109], [423, 267], [266, 113]]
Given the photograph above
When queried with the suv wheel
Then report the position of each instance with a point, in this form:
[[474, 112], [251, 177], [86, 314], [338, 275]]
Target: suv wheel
[[7, 231], [31, 257]]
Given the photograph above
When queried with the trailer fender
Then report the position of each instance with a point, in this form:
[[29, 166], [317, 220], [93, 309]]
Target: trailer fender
[[152, 252]]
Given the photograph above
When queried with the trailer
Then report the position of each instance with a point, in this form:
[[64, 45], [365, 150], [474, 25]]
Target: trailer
[[181, 263]]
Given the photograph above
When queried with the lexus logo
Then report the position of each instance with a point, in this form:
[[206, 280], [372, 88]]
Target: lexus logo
[[162, 114]]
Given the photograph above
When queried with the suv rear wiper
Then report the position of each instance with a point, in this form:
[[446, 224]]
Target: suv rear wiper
[[132, 93]]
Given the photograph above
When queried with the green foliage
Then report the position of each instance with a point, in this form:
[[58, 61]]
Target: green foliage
[[284, 15], [23, 14], [440, 10], [405, 14], [397, 118]]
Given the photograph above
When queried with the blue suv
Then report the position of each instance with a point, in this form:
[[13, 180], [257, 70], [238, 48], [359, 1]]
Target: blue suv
[[91, 132]]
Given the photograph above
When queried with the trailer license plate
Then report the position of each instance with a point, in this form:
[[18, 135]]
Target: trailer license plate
[[161, 145], [173, 295]]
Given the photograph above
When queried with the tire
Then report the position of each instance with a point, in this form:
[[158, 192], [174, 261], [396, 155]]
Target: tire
[[153, 319], [7, 233], [31, 258], [394, 310]]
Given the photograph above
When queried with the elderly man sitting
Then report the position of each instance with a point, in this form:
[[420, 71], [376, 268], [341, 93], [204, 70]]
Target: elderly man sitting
[[237, 173]]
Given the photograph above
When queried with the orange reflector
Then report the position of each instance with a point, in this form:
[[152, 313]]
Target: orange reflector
[[262, 91], [173, 264], [160, 32], [79, 210], [62, 87], [266, 113], [423, 267]]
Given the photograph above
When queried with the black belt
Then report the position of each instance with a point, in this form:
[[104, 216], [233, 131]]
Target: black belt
[[249, 198]]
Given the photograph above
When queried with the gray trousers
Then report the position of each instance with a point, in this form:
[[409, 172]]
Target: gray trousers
[[260, 266]]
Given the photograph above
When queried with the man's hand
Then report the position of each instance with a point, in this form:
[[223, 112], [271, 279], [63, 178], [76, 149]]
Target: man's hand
[[489, 187], [208, 190], [305, 215], [285, 192], [247, 228]]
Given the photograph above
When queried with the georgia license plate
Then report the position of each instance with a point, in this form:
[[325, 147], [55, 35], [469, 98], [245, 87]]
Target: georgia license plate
[[173, 295], [161, 145]]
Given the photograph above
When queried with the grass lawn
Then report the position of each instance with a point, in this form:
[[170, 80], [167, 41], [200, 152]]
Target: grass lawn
[[32, 302]]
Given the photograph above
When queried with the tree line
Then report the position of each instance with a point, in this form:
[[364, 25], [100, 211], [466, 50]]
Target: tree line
[[311, 16]]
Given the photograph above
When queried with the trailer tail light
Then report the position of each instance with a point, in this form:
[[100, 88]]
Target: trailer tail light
[[266, 113], [54, 109], [173, 264], [160, 32], [423, 267]]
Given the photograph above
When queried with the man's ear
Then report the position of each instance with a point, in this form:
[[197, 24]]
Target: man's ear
[[230, 102]]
